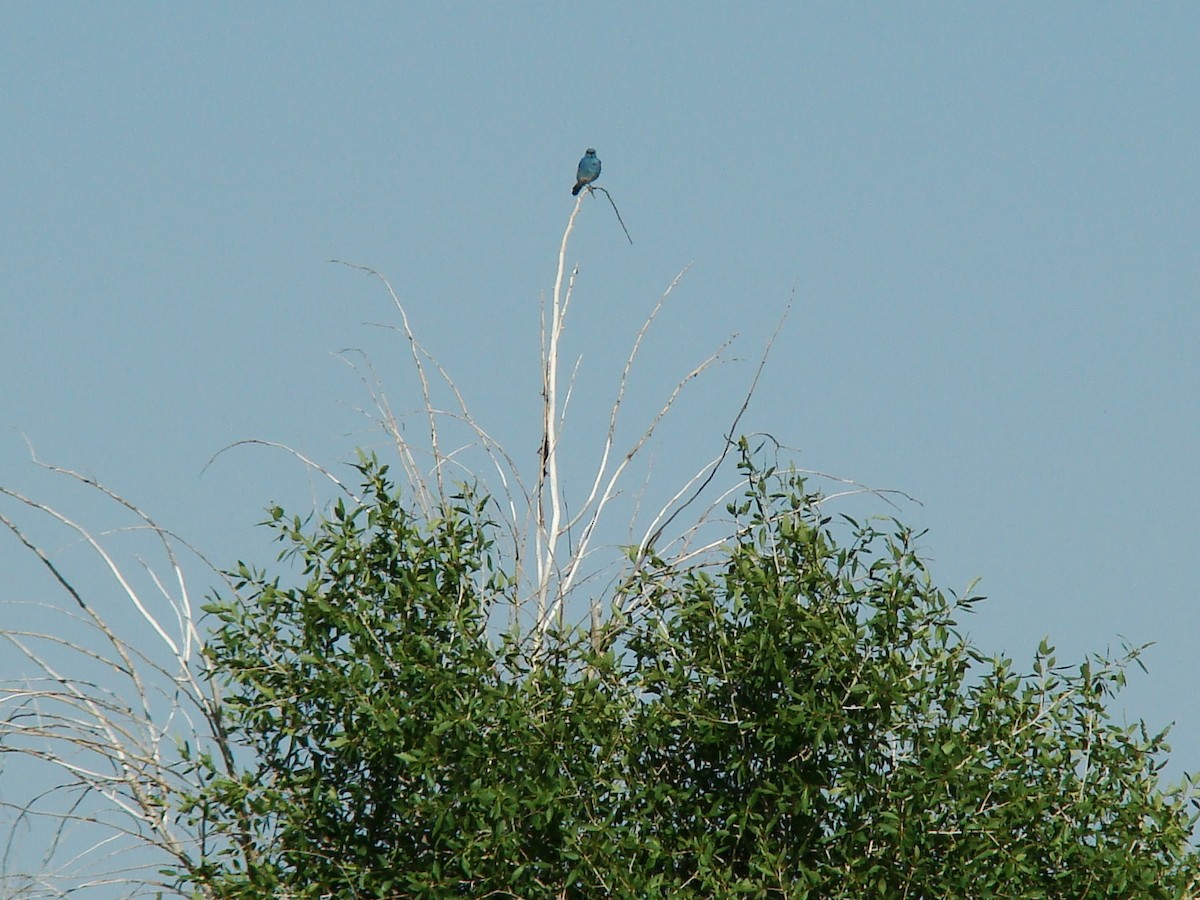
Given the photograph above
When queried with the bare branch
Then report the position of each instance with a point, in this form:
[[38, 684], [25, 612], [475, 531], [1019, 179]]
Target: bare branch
[[417, 352], [591, 187]]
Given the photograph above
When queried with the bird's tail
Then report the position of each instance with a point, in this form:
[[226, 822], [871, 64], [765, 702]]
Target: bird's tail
[[575, 190]]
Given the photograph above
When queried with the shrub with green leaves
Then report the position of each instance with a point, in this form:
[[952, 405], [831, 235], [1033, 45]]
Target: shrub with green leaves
[[795, 715]]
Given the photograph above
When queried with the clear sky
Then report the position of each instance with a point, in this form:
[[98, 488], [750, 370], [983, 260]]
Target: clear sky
[[987, 215]]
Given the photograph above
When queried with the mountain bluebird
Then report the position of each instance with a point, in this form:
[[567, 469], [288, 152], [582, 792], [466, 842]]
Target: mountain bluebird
[[589, 170]]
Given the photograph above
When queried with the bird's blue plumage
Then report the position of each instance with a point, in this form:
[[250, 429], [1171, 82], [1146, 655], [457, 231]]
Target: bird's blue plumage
[[589, 170]]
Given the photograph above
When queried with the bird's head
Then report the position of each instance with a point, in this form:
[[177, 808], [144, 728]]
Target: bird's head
[[590, 151]]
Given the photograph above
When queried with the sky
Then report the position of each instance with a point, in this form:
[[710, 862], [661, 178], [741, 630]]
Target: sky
[[984, 218]]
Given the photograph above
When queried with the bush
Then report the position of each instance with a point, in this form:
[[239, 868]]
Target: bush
[[795, 715]]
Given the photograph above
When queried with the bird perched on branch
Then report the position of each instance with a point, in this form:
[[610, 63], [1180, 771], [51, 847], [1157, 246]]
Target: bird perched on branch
[[589, 171]]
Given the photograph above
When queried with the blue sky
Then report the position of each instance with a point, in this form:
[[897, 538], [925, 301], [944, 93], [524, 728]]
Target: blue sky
[[986, 214]]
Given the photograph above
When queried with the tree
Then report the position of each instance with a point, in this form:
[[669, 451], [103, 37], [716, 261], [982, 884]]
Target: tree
[[759, 699], [796, 715]]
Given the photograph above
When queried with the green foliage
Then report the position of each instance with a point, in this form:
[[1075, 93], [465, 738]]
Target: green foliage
[[797, 717]]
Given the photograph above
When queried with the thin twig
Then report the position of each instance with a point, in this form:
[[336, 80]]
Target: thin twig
[[417, 351], [617, 211], [652, 537]]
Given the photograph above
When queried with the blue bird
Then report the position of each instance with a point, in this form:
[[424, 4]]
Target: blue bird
[[589, 171]]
